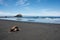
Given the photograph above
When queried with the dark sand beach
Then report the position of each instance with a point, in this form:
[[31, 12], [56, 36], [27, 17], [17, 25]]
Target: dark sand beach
[[29, 31]]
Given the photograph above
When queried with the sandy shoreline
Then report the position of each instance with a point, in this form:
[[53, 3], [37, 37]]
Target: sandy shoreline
[[29, 31]]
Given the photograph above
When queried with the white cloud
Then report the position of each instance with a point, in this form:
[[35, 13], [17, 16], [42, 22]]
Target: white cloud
[[2, 2], [49, 12], [22, 3], [43, 12], [5, 14]]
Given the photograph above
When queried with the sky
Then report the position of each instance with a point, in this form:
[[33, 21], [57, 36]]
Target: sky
[[30, 7]]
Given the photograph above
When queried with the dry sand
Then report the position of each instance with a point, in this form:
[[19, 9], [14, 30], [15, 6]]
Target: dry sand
[[29, 31]]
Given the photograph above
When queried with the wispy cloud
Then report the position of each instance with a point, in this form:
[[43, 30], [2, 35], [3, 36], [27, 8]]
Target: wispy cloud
[[22, 3], [2, 2], [38, 0]]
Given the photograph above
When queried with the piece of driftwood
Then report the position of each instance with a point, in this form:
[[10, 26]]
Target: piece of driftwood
[[14, 29]]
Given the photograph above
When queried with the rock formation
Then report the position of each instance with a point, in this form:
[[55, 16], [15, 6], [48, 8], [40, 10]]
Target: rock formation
[[18, 15]]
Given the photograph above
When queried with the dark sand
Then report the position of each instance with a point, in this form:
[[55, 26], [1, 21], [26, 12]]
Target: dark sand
[[29, 31]]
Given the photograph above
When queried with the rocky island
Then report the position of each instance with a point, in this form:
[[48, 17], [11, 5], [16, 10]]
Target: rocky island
[[18, 15]]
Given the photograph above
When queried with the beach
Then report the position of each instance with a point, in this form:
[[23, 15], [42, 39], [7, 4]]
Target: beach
[[29, 31]]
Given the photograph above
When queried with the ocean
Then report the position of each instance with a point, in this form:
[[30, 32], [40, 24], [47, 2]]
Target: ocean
[[55, 20]]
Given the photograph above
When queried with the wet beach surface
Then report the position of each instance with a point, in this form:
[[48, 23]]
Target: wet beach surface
[[29, 31]]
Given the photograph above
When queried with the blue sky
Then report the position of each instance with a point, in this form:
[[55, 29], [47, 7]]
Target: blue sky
[[30, 7]]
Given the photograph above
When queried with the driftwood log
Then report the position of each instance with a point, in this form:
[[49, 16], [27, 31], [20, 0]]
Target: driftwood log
[[14, 29]]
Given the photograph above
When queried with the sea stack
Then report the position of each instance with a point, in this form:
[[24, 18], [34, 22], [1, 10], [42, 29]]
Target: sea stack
[[18, 15]]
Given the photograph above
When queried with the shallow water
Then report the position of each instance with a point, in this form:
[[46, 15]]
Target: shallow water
[[39, 20]]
